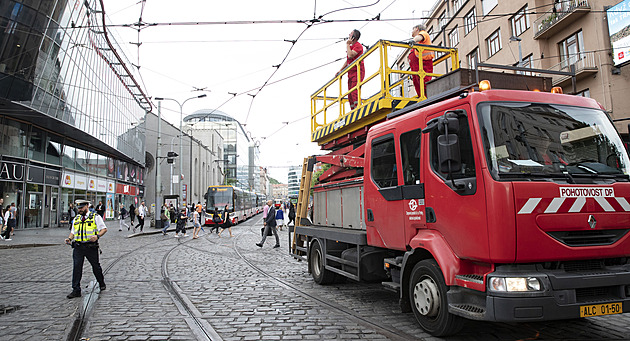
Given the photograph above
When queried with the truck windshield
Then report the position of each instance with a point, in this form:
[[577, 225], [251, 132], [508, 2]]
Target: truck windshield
[[534, 140]]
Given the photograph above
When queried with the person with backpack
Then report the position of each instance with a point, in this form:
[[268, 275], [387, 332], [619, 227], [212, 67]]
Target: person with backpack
[[122, 214], [216, 220], [182, 217]]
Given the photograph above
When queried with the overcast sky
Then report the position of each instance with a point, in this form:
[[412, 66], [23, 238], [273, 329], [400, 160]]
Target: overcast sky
[[231, 58]]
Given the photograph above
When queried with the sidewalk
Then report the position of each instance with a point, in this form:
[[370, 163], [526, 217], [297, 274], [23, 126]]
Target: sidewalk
[[48, 236]]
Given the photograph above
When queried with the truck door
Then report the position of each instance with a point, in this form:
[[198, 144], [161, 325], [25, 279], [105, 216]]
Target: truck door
[[412, 184], [454, 196], [383, 192]]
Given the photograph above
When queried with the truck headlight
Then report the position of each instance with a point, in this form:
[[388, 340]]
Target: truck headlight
[[514, 284]]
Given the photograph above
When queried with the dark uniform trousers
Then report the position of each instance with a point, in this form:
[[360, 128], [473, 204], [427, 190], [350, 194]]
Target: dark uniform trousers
[[89, 251]]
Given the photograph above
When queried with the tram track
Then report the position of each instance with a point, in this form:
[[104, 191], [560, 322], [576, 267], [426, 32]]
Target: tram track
[[199, 327], [380, 328]]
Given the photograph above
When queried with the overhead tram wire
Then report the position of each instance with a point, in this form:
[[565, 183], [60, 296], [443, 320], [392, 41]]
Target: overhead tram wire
[[310, 24]]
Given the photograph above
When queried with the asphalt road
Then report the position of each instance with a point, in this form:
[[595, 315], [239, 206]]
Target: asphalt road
[[161, 287]]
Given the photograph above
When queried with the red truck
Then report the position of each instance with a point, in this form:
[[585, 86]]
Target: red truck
[[485, 204]]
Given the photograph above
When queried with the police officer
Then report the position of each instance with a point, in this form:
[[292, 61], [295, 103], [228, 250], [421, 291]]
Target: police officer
[[86, 230]]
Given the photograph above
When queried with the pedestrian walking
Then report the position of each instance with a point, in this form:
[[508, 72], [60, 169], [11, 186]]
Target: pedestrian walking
[[196, 224], [87, 229], [142, 213], [6, 215], [165, 216], [270, 224], [3, 225], [217, 220], [291, 214], [227, 223], [122, 214], [10, 216], [132, 213], [280, 218], [173, 213], [181, 223]]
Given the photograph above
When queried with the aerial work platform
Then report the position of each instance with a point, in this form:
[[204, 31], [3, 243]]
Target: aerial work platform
[[331, 117]]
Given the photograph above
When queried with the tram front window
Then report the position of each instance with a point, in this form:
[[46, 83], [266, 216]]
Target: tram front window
[[218, 198]]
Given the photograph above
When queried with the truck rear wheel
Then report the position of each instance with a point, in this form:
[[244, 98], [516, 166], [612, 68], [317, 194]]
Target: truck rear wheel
[[427, 292], [316, 263]]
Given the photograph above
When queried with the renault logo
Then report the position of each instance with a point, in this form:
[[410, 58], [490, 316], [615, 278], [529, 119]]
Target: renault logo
[[591, 221]]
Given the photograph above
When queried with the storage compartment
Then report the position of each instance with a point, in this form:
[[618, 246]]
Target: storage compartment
[[372, 266]]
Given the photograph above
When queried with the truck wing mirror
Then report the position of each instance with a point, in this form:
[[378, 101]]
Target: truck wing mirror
[[449, 157]]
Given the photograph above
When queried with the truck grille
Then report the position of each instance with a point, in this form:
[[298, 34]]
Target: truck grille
[[583, 265], [588, 238], [587, 295]]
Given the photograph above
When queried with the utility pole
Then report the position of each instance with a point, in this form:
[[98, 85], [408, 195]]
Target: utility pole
[[158, 173]]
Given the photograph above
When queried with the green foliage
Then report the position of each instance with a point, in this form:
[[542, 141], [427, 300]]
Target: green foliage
[[315, 178], [274, 181]]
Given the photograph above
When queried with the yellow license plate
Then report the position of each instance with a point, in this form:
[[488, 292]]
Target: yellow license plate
[[601, 309]]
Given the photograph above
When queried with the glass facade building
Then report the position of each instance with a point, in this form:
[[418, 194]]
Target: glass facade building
[[71, 112], [240, 155]]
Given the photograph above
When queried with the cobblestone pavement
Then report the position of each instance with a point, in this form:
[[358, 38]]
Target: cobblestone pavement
[[160, 287]]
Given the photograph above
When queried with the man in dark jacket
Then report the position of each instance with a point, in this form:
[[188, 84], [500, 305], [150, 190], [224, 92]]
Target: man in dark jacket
[[270, 223]]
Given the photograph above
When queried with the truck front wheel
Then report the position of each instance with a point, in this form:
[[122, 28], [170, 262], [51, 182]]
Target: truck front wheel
[[427, 292], [316, 263]]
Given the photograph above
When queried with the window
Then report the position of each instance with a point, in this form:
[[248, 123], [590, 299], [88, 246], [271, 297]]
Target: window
[[384, 162], [527, 62], [466, 152], [410, 155], [457, 4], [571, 49], [519, 22], [13, 138], [443, 20], [473, 58], [488, 5], [454, 37], [494, 42], [470, 21], [37, 144], [584, 93]]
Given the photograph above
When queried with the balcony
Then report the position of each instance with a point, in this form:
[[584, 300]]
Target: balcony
[[584, 66], [563, 14]]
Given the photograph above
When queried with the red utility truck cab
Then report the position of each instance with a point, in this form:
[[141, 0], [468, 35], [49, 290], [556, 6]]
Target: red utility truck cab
[[529, 222], [499, 205]]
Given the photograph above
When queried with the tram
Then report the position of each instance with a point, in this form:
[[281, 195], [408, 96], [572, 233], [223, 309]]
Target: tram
[[242, 204]]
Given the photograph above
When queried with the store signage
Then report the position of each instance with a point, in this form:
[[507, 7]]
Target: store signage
[[92, 184], [101, 185], [52, 177], [141, 191], [68, 180], [111, 187], [80, 181], [125, 189], [12, 171], [35, 175]]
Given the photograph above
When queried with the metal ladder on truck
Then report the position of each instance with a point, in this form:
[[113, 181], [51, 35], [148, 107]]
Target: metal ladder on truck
[[338, 128]]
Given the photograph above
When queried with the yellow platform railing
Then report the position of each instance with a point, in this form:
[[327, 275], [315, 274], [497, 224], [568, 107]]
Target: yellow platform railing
[[387, 84]]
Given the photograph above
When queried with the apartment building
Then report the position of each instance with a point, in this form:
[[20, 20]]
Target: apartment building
[[541, 34]]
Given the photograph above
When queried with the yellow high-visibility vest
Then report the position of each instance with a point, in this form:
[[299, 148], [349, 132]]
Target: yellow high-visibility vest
[[84, 229]]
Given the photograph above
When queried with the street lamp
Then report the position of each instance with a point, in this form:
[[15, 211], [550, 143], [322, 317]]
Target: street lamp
[[181, 149], [520, 54]]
